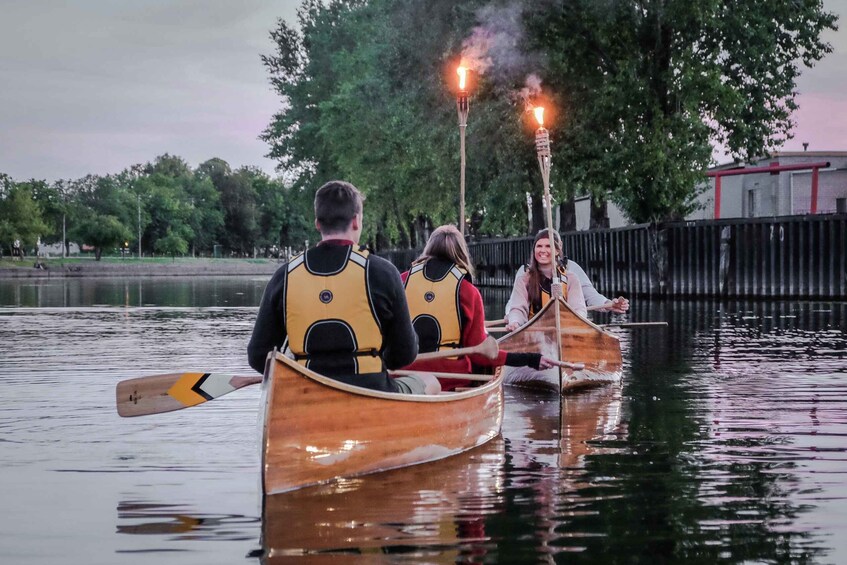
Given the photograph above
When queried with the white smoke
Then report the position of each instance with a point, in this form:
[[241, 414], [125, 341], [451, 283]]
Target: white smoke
[[494, 48]]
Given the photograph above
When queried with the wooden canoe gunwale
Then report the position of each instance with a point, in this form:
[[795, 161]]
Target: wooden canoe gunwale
[[582, 341], [402, 397], [543, 311], [316, 429]]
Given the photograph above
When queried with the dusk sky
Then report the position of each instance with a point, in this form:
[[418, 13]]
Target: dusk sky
[[93, 86]]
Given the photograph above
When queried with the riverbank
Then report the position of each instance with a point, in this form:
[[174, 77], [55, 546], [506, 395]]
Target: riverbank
[[152, 267]]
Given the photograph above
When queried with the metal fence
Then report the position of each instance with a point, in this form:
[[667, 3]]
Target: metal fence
[[785, 257]]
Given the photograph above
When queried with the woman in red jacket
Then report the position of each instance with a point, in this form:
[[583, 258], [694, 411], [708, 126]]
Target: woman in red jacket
[[447, 310]]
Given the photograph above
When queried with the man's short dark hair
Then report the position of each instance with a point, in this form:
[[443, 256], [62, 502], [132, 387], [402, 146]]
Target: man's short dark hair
[[336, 204]]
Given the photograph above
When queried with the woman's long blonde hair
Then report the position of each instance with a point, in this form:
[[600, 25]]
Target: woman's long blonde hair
[[447, 242]]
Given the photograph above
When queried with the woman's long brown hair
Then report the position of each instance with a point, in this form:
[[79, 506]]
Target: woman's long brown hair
[[535, 275], [448, 243]]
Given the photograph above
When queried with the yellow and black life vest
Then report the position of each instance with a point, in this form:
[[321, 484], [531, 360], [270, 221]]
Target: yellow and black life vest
[[329, 316], [433, 297], [545, 292]]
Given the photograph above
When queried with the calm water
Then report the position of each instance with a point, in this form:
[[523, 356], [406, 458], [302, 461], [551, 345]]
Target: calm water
[[725, 443]]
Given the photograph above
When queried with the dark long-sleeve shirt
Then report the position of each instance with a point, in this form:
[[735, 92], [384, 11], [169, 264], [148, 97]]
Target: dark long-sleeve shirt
[[399, 341]]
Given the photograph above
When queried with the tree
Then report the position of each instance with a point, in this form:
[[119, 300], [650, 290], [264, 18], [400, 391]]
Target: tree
[[367, 100], [642, 91], [172, 244], [646, 88], [101, 231], [20, 216]]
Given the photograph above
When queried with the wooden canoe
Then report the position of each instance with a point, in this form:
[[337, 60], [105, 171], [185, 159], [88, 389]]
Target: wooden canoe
[[582, 342], [317, 429]]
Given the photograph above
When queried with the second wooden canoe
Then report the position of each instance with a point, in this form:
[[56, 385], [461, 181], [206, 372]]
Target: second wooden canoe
[[582, 342], [317, 429]]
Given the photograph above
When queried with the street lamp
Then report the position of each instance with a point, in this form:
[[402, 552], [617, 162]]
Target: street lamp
[[135, 174]]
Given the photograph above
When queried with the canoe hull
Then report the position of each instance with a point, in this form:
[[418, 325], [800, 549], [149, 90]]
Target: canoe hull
[[582, 342], [316, 429]]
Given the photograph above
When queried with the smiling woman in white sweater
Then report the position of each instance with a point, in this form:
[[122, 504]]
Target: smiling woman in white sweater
[[533, 285]]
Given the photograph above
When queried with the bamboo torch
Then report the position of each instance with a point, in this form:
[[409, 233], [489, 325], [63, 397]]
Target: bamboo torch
[[542, 148], [462, 108]]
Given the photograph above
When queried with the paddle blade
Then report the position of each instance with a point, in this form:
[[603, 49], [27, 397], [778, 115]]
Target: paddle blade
[[174, 391]]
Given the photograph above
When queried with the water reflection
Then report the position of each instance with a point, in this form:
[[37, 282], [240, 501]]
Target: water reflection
[[434, 510], [178, 522], [69, 292], [724, 443]]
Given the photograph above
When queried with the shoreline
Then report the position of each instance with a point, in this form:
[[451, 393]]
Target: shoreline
[[132, 268]]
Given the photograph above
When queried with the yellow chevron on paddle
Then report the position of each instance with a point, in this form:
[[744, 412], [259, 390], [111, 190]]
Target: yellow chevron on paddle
[[182, 389]]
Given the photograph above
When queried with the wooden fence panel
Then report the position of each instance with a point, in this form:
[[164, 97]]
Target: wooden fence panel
[[785, 257]]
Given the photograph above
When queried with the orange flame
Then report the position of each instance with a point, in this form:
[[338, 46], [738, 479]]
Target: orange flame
[[462, 72], [539, 115]]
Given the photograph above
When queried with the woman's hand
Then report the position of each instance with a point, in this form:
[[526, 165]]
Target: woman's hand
[[512, 326], [619, 305]]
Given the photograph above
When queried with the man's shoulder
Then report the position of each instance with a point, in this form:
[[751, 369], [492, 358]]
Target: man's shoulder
[[375, 262]]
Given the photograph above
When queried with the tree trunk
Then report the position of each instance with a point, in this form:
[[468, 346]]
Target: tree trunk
[[599, 214], [538, 216], [98, 252], [567, 216]]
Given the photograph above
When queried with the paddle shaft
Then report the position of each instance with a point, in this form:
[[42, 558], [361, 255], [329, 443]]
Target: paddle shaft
[[442, 375], [488, 348], [634, 325]]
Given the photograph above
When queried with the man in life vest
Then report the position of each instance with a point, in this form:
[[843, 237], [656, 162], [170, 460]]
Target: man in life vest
[[337, 309]]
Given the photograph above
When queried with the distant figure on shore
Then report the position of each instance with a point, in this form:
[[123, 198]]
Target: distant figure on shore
[[17, 252]]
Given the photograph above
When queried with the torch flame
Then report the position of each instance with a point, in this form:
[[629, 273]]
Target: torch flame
[[462, 72], [539, 115]]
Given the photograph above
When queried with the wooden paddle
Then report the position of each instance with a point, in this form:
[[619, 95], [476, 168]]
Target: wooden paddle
[[156, 394], [633, 325], [484, 378], [488, 348], [612, 325], [466, 376]]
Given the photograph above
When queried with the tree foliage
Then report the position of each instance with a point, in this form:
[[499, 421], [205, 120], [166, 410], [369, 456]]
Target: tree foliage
[[648, 87], [101, 231], [20, 216], [643, 90], [245, 211]]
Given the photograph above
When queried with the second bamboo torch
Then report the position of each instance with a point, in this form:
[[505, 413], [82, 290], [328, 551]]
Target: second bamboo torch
[[462, 108], [542, 148]]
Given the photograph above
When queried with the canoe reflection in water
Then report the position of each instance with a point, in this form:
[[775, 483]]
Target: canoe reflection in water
[[436, 510], [443, 511], [591, 424]]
